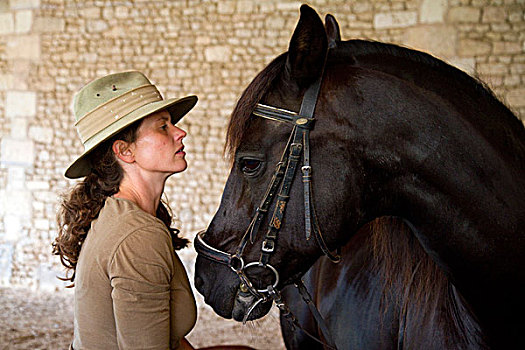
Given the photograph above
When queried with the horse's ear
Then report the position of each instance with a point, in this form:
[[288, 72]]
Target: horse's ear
[[308, 47], [332, 30]]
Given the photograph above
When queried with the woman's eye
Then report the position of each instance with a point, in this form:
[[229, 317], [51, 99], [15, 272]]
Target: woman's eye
[[250, 166]]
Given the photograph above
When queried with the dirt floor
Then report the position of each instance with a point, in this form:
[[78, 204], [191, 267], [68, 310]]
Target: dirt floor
[[44, 320]]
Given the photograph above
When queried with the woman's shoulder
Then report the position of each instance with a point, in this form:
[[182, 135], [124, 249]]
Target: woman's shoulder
[[121, 220], [127, 214]]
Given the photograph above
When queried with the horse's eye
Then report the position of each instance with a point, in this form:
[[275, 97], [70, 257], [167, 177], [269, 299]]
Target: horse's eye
[[250, 166]]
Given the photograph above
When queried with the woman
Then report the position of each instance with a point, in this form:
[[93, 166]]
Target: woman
[[131, 289]]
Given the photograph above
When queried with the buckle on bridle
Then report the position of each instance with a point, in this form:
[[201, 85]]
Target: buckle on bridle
[[268, 246]]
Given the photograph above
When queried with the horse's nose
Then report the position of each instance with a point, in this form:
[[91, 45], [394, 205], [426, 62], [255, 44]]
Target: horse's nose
[[199, 282]]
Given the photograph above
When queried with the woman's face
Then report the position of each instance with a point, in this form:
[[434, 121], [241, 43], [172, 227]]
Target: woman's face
[[158, 147]]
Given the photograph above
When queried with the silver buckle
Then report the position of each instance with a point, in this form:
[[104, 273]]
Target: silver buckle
[[268, 246]]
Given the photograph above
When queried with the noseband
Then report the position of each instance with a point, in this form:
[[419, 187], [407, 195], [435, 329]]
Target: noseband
[[279, 188]]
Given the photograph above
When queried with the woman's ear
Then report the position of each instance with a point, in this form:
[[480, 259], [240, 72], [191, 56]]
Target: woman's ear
[[124, 151]]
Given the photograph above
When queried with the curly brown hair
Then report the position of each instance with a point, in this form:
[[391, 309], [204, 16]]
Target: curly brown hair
[[83, 203]]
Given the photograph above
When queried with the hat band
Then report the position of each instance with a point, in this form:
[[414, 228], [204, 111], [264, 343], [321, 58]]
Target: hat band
[[111, 111]]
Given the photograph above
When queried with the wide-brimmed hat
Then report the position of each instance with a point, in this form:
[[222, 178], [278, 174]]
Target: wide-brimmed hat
[[107, 105]]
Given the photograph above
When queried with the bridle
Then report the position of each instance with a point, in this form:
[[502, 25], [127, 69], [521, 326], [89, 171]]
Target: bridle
[[279, 188]]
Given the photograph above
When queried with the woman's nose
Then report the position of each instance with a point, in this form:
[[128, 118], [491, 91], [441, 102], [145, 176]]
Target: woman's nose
[[178, 133]]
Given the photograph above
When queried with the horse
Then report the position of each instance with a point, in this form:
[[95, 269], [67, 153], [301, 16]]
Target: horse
[[412, 171]]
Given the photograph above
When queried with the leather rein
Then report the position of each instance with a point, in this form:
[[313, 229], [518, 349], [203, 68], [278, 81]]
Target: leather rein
[[279, 188]]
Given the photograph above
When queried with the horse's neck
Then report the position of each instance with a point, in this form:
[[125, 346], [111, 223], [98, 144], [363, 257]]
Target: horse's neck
[[462, 195], [468, 96]]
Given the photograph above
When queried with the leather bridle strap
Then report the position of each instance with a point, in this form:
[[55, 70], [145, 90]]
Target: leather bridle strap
[[268, 245], [263, 208], [300, 143]]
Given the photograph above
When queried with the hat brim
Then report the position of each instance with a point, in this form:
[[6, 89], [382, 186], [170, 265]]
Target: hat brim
[[177, 108]]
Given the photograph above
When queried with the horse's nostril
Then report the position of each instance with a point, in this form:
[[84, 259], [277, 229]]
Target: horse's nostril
[[198, 282]]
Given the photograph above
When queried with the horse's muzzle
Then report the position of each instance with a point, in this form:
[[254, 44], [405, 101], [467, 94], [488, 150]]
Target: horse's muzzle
[[247, 307]]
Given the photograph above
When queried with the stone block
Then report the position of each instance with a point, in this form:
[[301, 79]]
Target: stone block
[[512, 80], [94, 26], [432, 11], [516, 97], [439, 40], [23, 21], [361, 7], [91, 12], [16, 204], [245, 6], [489, 69], [14, 152], [16, 178], [464, 15], [493, 14], [517, 68], [41, 134], [19, 128], [13, 228], [506, 47], [44, 85], [38, 207], [6, 263], [399, 19], [20, 104], [288, 6], [41, 224], [217, 53], [121, 12], [272, 22], [23, 47], [266, 7], [37, 185], [7, 23], [49, 25], [24, 4], [6, 81], [470, 48]]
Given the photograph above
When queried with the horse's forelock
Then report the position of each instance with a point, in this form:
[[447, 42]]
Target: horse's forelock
[[241, 115]]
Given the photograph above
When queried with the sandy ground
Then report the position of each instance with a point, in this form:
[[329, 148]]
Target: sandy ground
[[44, 320]]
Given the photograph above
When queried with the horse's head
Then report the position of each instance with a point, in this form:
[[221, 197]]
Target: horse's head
[[256, 147]]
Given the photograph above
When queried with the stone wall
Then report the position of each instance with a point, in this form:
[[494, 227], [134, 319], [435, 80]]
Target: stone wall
[[212, 48]]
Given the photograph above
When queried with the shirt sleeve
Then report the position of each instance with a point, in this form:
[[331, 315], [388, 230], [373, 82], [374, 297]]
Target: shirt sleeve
[[140, 274]]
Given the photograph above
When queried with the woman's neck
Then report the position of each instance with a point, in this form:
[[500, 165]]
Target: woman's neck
[[146, 194]]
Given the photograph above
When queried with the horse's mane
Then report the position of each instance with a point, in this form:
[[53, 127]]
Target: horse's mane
[[241, 115], [472, 97], [423, 288]]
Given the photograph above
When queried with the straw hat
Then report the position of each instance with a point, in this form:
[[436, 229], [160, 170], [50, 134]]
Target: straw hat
[[107, 105]]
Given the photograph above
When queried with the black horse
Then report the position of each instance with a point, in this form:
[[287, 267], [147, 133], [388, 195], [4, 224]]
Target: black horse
[[418, 176]]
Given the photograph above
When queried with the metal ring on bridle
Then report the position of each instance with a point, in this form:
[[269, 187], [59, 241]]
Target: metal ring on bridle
[[234, 258], [271, 269]]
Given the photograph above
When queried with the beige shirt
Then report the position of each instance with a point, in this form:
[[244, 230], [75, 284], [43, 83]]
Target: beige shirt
[[131, 289]]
